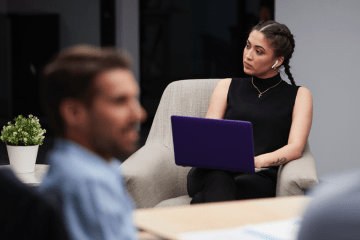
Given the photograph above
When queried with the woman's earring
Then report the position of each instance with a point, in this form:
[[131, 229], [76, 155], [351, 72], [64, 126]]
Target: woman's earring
[[275, 63]]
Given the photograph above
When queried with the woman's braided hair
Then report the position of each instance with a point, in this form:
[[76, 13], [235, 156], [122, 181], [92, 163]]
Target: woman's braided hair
[[282, 41]]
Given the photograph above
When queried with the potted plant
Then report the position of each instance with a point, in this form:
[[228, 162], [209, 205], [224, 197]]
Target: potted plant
[[22, 142]]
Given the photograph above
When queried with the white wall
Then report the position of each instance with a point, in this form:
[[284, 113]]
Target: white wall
[[326, 61], [127, 31], [128, 34]]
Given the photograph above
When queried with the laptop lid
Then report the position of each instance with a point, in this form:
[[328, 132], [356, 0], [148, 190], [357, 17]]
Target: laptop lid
[[213, 143]]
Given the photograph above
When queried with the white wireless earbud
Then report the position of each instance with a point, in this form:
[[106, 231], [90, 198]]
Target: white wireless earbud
[[275, 63]]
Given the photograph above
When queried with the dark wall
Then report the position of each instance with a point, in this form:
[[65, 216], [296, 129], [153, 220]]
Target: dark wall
[[30, 40], [191, 40]]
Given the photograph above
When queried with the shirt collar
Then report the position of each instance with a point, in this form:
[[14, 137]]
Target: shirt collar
[[69, 145]]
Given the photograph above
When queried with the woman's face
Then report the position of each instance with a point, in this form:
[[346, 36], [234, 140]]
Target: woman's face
[[258, 57]]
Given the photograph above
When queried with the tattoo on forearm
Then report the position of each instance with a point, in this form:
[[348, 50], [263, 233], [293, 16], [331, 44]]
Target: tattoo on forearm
[[279, 161]]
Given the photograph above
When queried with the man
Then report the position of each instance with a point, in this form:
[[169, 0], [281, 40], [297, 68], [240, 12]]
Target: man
[[90, 99], [25, 214], [334, 210]]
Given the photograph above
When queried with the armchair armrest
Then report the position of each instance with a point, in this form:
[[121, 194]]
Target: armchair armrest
[[297, 175], [148, 175]]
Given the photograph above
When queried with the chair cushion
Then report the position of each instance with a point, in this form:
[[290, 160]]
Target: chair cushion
[[178, 201]]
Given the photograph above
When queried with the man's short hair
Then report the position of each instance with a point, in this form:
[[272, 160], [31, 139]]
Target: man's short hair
[[70, 74]]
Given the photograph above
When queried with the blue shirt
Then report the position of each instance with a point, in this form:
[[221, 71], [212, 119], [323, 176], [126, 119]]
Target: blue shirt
[[89, 192], [334, 211]]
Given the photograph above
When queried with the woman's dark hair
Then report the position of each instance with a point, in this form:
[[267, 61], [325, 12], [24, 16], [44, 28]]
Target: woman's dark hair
[[282, 41], [71, 74]]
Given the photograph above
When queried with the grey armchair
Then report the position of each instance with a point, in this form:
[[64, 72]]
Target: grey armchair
[[153, 179]]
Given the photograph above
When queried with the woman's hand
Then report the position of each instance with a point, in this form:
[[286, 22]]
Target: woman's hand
[[258, 162]]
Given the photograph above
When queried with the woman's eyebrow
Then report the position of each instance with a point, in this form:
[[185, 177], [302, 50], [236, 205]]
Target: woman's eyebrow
[[257, 45], [260, 47]]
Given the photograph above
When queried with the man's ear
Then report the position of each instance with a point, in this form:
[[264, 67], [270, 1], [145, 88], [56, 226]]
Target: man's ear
[[73, 112]]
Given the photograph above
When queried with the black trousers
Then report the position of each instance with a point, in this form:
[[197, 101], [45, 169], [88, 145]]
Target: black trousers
[[212, 185]]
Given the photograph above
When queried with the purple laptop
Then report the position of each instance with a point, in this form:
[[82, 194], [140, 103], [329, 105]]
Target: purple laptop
[[213, 143]]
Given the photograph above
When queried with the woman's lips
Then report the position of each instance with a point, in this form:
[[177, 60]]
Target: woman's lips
[[247, 65]]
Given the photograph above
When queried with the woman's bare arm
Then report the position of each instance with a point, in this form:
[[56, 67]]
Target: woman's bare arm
[[218, 101], [299, 133]]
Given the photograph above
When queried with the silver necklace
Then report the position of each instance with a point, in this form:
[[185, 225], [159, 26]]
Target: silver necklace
[[260, 93]]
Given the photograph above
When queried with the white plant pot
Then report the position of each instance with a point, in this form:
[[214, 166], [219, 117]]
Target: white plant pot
[[22, 158]]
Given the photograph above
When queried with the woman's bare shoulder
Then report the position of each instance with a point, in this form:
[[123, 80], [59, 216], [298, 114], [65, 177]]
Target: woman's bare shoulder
[[304, 90], [303, 93], [218, 101], [225, 82]]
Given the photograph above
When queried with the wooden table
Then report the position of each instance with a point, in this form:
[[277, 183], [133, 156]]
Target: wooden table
[[169, 222], [33, 179]]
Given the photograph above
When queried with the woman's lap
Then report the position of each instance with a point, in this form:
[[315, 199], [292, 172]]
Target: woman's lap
[[255, 185], [247, 185]]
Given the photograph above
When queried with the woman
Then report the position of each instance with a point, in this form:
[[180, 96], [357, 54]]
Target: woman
[[281, 115]]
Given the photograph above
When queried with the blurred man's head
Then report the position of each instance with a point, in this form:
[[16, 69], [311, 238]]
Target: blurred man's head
[[91, 98]]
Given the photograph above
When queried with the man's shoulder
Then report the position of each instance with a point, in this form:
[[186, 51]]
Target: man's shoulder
[[69, 171], [73, 183], [76, 171], [333, 209], [336, 195]]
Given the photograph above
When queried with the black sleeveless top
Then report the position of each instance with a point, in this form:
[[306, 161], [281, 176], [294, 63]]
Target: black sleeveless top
[[270, 115]]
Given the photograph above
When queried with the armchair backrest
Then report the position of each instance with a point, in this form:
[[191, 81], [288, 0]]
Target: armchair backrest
[[184, 97]]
